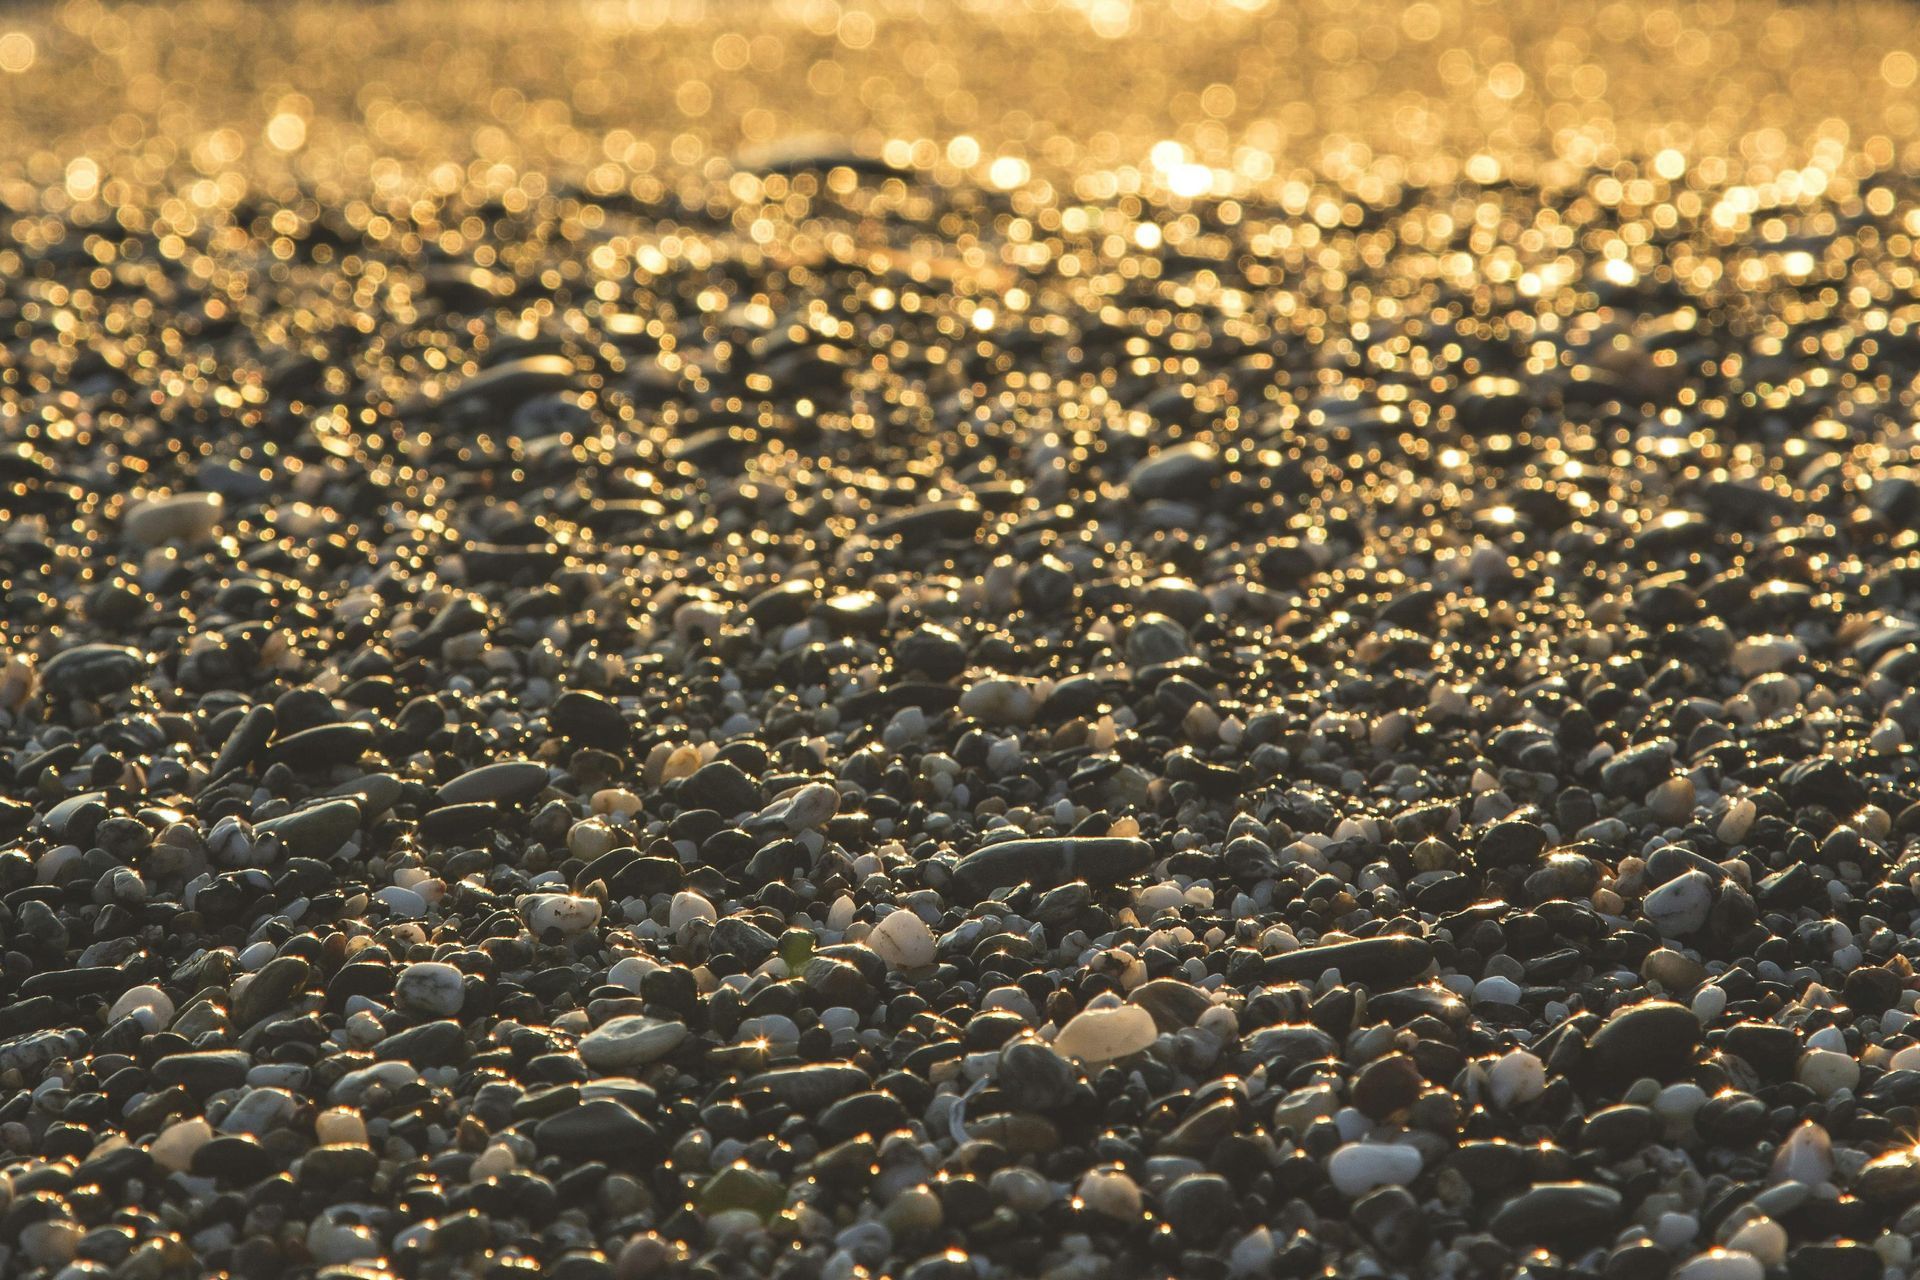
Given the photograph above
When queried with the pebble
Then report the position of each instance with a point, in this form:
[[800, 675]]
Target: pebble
[[915, 703], [181, 517], [1359, 1167], [1102, 1035], [429, 989], [1679, 908], [624, 1043], [903, 940]]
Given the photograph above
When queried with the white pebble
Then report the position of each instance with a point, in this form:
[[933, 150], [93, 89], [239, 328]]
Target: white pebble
[[631, 972], [687, 907], [1764, 1238], [1805, 1157], [903, 940], [1721, 1264], [175, 1146], [430, 989], [1101, 1035], [1111, 1192], [562, 911], [631, 1041], [1515, 1079], [1359, 1167], [1826, 1071]]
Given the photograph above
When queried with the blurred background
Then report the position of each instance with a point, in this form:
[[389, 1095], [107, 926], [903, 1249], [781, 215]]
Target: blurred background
[[217, 101]]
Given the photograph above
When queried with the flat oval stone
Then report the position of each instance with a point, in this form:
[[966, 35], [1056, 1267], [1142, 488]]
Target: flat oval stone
[[181, 517], [503, 782], [1388, 959], [1181, 472], [1049, 861], [316, 831], [1551, 1212], [89, 670], [632, 1041]]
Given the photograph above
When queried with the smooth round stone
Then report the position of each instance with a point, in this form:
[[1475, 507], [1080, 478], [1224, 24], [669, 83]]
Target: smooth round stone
[[1672, 970], [403, 904], [1680, 907], [631, 1041], [1515, 1079], [1360, 1167], [1654, 1038], [903, 940], [1827, 1071], [1102, 1035], [1763, 1238], [175, 1147], [631, 972], [182, 517], [807, 808], [1110, 1192], [1805, 1157], [430, 989], [1721, 1264], [687, 907], [562, 911], [1000, 700]]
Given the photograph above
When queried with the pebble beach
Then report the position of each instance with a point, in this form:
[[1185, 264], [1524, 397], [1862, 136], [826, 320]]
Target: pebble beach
[[899, 641]]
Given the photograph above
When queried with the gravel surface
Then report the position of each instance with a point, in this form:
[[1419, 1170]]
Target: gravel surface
[[722, 692]]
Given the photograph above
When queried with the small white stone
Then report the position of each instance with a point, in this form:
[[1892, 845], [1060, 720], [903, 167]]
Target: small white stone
[[1102, 1035], [1155, 898], [1677, 1105], [1762, 655], [687, 907], [183, 517], [429, 989], [1805, 1157], [1359, 1167], [1721, 1264], [147, 1005], [1826, 1071], [1672, 1231], [1515, 1079], [403, 904], [632, 1041], [807, 808], [1709, 1003], [1496, 990], [1907, 1059], [631, 972], [340, 1126], [175, 1146], [1111, 1192], [562, 911], [1252, 1254], [1764, 1238], [1739, 820], [903, 940], [1680, 906], [999, 700]]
